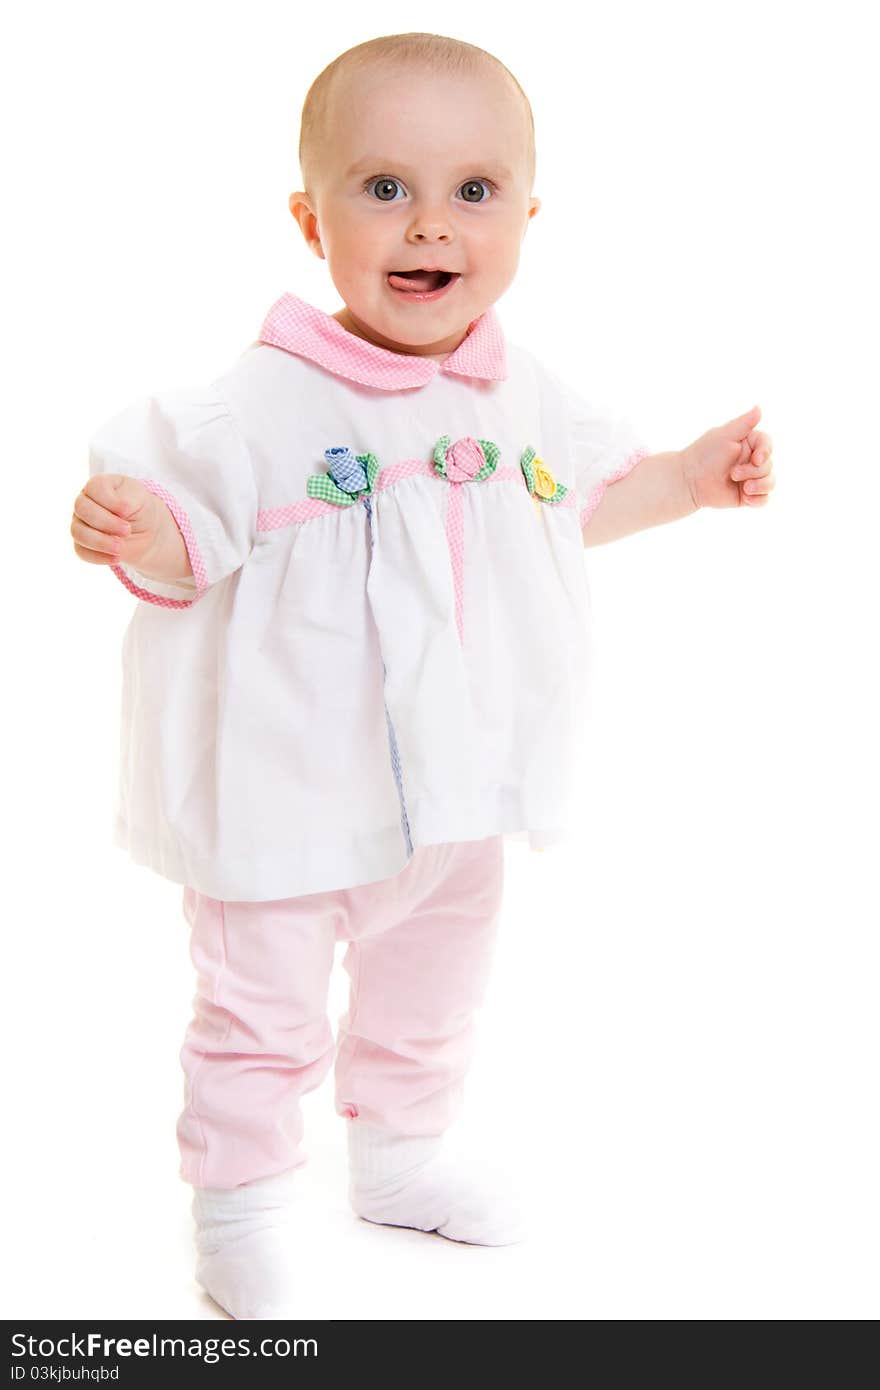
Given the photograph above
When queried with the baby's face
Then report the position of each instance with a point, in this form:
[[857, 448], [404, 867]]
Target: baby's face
[[420, 171]]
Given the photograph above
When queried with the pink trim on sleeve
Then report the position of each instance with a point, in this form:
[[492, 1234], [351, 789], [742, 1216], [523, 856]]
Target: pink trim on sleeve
[[158, 599], [595, 497], [196, 561]]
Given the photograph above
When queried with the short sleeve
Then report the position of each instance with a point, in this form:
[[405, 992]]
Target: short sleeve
[[604, 446], [185, 447]]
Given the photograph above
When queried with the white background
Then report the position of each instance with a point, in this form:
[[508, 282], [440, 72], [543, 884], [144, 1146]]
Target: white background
[[678, 1055]]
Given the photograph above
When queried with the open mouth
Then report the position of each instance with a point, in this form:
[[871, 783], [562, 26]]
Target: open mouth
[[421, 284]]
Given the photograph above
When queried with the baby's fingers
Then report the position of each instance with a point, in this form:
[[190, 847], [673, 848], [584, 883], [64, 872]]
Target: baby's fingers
[[756, 487], [98, 517], [117, 493], [759, 466], [93, 544]]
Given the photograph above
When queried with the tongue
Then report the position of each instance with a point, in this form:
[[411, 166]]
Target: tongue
[[412, 280]]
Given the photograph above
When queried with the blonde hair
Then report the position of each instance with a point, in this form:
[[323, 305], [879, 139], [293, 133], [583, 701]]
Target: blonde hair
[[431, 52]]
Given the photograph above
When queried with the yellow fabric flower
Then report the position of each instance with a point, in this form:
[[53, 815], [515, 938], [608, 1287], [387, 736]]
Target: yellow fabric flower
[[545, 483]]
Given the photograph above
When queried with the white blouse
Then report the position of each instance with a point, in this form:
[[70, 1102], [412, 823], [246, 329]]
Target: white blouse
[[386, 638]]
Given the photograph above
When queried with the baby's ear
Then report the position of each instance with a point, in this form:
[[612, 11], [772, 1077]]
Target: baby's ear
[[299, 205], [301, 209]]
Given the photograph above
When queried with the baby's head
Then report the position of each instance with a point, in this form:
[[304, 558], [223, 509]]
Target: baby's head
[[416, 150]]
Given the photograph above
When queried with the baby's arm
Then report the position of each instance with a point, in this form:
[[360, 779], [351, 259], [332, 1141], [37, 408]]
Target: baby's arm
[[728, 466], [654, 491], [117, 520], [178, 470]]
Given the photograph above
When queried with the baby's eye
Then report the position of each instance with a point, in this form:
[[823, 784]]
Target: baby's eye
[[471, 185], [385, 189], [383, 186]]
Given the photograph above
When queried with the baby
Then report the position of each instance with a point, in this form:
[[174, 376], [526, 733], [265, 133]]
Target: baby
[[359, 651]]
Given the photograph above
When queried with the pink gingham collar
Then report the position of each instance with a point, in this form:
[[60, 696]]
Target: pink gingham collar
[[307, 331]]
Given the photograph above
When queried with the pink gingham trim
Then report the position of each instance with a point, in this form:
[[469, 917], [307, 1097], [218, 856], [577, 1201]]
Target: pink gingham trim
[[303, 329], [595, 497], [271, 518], [196, 561], [455, 541]]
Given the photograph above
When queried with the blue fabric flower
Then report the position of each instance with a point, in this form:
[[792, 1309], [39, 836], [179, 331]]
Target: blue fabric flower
[[345, 469]]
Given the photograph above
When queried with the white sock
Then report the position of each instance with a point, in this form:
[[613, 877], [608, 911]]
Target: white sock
[[403, 1180], [245, 1246]]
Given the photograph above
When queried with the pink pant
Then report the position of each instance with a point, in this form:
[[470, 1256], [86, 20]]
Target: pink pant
[[420, 949]]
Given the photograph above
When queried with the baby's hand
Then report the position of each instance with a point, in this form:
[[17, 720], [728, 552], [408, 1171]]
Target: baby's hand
[[118, 520], [731, 465]]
